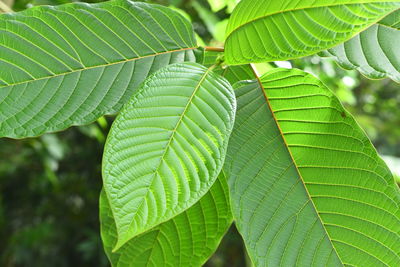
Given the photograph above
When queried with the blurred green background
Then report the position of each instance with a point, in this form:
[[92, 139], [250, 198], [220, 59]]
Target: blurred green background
[[49, 186]]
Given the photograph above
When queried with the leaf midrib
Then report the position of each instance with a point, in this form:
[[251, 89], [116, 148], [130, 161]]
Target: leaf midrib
[[388, 26], [294, 162], [97, 66], [166, 149]]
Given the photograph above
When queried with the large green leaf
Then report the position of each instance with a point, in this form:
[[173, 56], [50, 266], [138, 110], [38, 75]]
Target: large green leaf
[[307, 186], [265, 30], [188, 239], [374, 52], [167, 146], [68, 65]]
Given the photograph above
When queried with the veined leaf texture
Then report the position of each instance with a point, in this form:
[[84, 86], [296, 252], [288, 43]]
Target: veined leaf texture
[[374, 52], [307, 186], [265, 30], [188, 239], [167, 146], [69, 65]]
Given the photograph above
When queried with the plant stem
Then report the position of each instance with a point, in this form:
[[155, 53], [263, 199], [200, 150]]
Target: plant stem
[[215, 49], [4, 8]]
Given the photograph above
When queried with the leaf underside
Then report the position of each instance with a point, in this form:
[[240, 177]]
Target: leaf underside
[[373, 52], [188, 239], [71, 64], [167, 146], [264, 30], [307, 186]]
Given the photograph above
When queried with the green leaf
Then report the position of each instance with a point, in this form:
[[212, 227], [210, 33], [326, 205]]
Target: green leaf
[[374, 52], [237, 73], [167, 146], [188, 239], [231, 5], [217, 5], [69, 65], [220, 29], [307, 186], [233, 74], [265, 30]]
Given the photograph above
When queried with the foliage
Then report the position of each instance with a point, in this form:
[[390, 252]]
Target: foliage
[[117, 54], [372, 51], [306, 186], [167, 121], [318, 142], [297, 28], [206, 236]]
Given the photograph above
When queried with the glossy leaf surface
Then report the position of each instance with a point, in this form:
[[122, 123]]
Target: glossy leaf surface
[[70, 64], [307, 186], [264, 30], [188, 239], [167, 146]]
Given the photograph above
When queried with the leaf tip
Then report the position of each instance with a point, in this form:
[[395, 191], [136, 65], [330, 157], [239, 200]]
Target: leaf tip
[[119, 244]]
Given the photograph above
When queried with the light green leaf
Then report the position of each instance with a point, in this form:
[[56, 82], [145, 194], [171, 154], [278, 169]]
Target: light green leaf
[[167, 146], [265, 30], [307, 186], [69, 65], [220, 29], [188, 239], [233, 74], [237, 73], [217, 5], [374, 52], [231, 5]]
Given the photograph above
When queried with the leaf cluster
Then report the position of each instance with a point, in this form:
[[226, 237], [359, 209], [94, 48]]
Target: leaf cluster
[[202, 140]]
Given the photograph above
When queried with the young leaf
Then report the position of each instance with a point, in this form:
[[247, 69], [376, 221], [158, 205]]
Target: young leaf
[[237, 73], [374, 52], [167, 146], [69, 65], [188, 239], [233, 74], [265, 30], [307, 186]]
